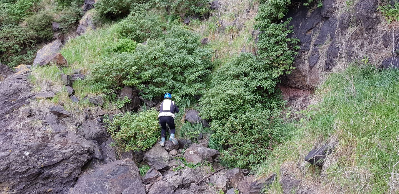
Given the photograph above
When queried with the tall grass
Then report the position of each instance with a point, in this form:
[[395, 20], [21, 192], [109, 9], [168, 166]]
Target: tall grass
[[86, 50], [360, 108]]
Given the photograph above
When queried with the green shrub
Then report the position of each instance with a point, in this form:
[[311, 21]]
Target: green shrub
[[123, 45], [140, 27], [135, 131], [69, 17], [13, 11], [247, 139], [176, 64], [114, 9], [144, 169], [66, 3], [191, 131], [196, 8], [41, 24], [110, 74], [15, 42], [244, 111]]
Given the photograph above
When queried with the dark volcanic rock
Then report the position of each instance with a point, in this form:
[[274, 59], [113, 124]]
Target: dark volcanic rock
[[89, 4], [93, 130], [5, 71], [86, 23], [44, 95], [197, 153], [161, 187], [314, 57], [33, 157], [328, 8], [392, 62], [169, 146], [365, 13], [157, 157], [33, 162], [14, 93], [152, 176], [60, 111], [121, 176], [289, 184]]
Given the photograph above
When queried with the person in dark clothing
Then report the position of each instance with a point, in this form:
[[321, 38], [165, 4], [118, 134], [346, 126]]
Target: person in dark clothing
[[167, 116]]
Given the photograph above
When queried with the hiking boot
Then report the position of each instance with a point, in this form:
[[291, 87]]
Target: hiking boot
[[162, 142], [174, 140]]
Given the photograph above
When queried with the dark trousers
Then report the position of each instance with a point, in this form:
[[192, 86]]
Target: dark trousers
[[171, 123]]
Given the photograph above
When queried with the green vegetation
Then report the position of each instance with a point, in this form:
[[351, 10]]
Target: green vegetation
[[242, 102], [117, 9], [192, 131], [144, 169], [244, 110], [360, 108], [135, 131], [390, 12], [176, 64], [25, 24]]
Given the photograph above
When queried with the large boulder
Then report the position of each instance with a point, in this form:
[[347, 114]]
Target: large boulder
[[33, 160], [197, 153], [47, 53], [121, 176], [158, 158]]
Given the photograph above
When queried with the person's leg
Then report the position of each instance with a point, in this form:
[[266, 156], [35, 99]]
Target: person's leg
[[172, 127], [162, 122]]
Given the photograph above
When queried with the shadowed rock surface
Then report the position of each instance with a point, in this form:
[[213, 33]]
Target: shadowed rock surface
[[121, 176], [337, 34]]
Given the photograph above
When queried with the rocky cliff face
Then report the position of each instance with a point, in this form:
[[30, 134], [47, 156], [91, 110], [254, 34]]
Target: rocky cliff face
[[337, 34]]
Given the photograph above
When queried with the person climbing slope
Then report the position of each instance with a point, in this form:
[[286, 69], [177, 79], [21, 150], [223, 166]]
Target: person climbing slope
[[167, 116]]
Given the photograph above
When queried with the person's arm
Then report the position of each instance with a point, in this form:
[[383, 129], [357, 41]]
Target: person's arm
[[176, 108]]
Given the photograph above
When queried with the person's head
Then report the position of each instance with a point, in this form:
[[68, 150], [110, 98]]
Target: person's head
[[168, 96]]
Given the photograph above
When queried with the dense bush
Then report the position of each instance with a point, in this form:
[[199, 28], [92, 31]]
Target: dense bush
[[67, 3], [123, 45], [194, 8], [135, 131], [142, 26], [177, 64], [69, 17], [192, 131], [13, 11], [41, 25], [24, 24], [16, 43], [242, 103], [114, 9], [244, 111]]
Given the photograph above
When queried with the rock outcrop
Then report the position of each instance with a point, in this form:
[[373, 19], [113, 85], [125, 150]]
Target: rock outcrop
[[48, 53], [121, 176], [337, 34], [36, 156]]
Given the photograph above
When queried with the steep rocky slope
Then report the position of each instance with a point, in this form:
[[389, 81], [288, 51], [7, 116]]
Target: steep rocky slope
[[337, 34]]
